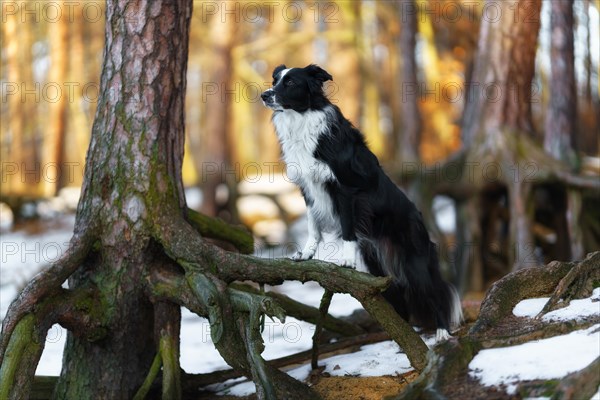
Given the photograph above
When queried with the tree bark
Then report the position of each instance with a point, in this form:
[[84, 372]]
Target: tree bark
[[561, 115], [137, 148], [54, 140], [410, 132], [502, 78], [216, 160]]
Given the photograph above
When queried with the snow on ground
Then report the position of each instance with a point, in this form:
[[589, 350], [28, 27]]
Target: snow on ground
[[550, 358], [378, 359], [577, 309]]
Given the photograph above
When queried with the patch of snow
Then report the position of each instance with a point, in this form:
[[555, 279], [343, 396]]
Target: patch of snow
[[550, 358], [530, 307], [193, 197], [444, 211], [6, 217], [596, 396], [378, 359], [51, 361], [577, 309]]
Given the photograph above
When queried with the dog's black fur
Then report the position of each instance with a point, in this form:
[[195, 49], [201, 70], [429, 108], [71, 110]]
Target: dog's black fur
[[368, 208]]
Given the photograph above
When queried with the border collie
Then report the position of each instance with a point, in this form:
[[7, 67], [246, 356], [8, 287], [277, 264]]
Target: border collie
[[348, 194]]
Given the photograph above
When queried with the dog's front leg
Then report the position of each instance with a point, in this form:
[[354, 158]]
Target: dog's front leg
[[314, 238]]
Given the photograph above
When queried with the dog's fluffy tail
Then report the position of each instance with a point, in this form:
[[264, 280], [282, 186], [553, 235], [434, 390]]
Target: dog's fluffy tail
[[418, 291]]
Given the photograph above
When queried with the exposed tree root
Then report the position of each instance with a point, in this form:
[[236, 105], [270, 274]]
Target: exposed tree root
[[497, 327], [152, 374], [73, 309], [216, 228], [578, 283], [167, 325], [42, 285], [502, 297], [306, 313], [447, 362], [199, 258], [580, 384], [323, 311]]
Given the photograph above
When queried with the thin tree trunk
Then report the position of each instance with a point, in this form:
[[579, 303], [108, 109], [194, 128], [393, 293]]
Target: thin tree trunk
[[216, 161], [410, 133], [345, 63], [79, 121], [54, 140], [12, 123], [560, 128]]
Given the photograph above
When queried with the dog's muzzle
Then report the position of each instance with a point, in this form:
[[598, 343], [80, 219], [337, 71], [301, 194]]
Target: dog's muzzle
[[268, 98]]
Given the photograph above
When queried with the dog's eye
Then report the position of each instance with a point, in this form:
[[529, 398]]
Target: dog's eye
[[290, 83]]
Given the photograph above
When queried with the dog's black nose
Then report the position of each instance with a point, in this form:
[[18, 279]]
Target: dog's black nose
[[264, 96]]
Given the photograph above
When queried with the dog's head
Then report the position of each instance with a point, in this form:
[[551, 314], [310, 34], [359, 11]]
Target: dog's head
[[298, 89]]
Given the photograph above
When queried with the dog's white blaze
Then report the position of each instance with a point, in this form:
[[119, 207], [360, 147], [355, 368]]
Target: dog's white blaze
[[299, 135], [282, 73]]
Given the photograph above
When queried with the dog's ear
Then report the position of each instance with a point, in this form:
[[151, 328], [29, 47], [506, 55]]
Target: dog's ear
[[278, 69], [318, 73]]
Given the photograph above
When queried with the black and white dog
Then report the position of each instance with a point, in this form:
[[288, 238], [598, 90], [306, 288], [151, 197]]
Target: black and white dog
[[348, 194]]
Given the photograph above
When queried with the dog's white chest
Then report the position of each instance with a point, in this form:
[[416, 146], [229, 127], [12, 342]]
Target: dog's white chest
[[299, 135]]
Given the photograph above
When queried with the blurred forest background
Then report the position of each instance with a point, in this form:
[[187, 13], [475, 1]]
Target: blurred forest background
[[519, 183]]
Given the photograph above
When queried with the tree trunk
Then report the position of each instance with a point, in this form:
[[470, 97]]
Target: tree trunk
[[497, 121], [54, 140], [560, 131], [410, 132], [344, 63], [137, 148], [216, 161], [503, 72]]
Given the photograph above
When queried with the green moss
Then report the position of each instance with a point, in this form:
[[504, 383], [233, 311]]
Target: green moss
[[23, 342], [542, 389]]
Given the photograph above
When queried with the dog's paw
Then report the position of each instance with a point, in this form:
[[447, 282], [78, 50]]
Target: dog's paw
[[348, 263], [300, 256], [442, 335], [349, 258]]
